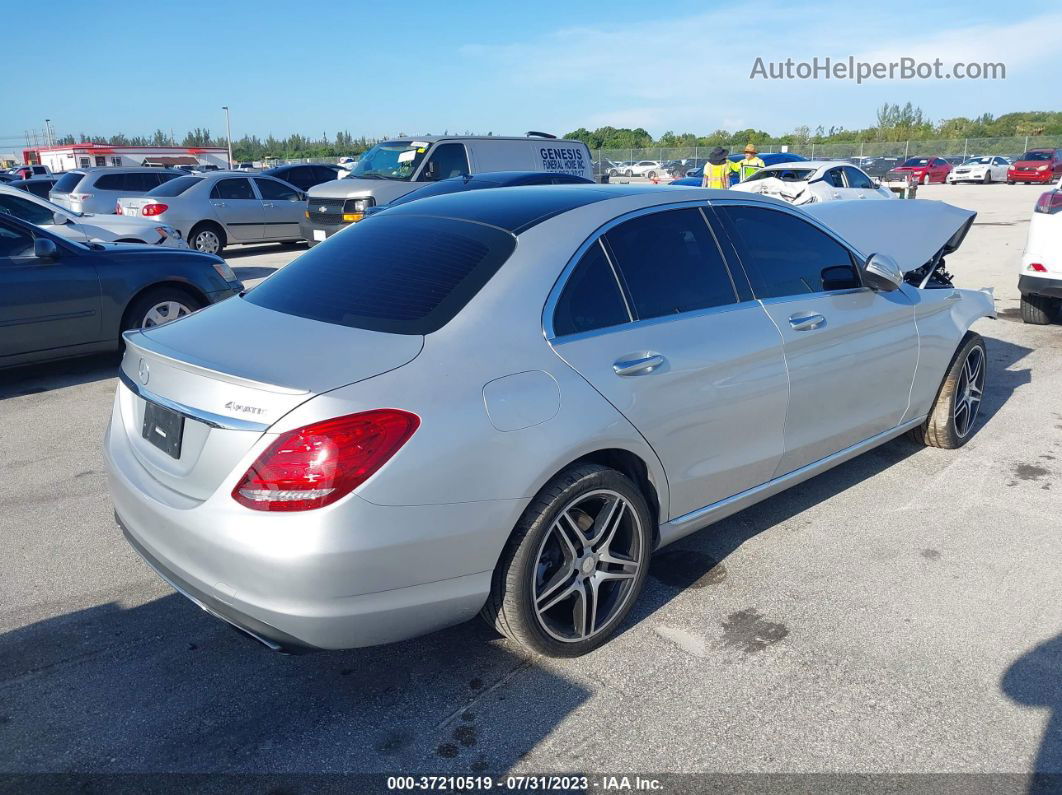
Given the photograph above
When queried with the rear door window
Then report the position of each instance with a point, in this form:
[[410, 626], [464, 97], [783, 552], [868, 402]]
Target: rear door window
[[238, 188], [670, 264], [787, 256], [591, 298], [391, 273]]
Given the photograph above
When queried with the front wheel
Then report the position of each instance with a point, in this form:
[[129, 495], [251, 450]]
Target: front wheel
[[651, 175], [952, 419], [988, 178], [575, 563], [159, 306], [925, 179], [629, 173]]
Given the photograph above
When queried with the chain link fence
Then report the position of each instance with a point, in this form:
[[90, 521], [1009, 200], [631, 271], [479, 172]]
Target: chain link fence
[[934, 147]]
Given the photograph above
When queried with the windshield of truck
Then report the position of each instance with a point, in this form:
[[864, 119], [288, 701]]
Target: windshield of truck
[[391, 160]]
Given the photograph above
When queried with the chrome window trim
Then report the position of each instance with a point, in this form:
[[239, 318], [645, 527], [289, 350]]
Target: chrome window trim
[[199, 415], [558, 286]]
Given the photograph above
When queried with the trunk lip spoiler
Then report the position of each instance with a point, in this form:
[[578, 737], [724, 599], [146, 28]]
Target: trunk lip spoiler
[[199, 415], [137, 342]]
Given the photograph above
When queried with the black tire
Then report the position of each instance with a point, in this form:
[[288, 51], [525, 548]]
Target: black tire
[[651, 175], [529, 555], [988, 178], [629, 173], [941, 428], [1010, 182], [1038, 310], [925, 179], [136, 313], [202, 235]]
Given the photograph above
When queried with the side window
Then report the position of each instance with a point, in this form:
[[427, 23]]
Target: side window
[[113, 182], [15, 243], [26, 210], [670, 263], [785, 255], [591, 299], [232, 189], [142, 181], [271, 189], [857, 179], [448, 160], [324, 174], [833, 177]]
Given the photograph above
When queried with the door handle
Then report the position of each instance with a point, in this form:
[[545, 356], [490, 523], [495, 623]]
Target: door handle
[[643, 365], [267, 204], [219, 204], [806, 321]]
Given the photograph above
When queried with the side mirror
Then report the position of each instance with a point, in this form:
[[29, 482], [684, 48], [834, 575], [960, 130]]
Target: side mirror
[[45, 249], [881, 273], [59, 219]]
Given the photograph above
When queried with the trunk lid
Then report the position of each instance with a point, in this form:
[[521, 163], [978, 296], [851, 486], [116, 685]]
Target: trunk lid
[[231, 371]]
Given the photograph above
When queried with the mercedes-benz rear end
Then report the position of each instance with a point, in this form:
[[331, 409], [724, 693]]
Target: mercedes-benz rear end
[[245, 440]]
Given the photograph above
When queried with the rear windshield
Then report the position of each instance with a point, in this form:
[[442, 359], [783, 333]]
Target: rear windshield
[[396, 274], [784, 174], [175, 187], [68, 182]]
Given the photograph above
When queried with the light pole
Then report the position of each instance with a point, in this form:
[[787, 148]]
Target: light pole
[[228, 132], [48, 130]]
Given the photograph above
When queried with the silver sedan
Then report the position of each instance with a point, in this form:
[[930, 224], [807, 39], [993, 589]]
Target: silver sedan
[[214, 210], [502, 402]]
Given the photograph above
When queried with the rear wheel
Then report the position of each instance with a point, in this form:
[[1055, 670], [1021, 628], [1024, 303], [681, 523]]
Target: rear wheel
[[954, 414], [651, 175], [575, 563], [207, 237], [159, 306], [1038, 310], [629, 173]]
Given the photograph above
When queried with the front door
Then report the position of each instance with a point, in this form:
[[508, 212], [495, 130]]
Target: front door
[[851, 352], [652, 319], [283, 209], [238, 208], [44, 304]]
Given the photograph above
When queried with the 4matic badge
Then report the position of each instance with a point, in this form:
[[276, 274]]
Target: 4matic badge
[[232, 405]]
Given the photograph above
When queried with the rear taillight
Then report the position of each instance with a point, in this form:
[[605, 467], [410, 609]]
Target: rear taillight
[[80, 197], [118, 208], [317, 464], [1036, 267], [154, 209], [1050, 202]]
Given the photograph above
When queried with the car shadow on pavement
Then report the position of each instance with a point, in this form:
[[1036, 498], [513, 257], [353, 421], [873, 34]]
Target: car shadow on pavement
[[253, 272], [163, 687], [1035, 680], [34, 379], [253, 249]]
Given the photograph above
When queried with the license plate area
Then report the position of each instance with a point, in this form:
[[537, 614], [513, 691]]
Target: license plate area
[[164, 428], [319, 234]]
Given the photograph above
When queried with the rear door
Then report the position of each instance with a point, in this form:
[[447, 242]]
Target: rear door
[[44, 304], [851, 352], [239, 208], [283, 208], [650, 316]]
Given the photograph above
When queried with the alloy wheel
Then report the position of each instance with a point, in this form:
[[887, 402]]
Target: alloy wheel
[[969, 391], [207, 242], [164, 312], [587, 565]]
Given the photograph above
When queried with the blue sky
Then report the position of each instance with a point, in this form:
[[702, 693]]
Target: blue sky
[[383, 68]]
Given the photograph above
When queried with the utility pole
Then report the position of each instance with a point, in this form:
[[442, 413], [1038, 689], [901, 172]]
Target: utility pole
[[228, 132], [48, 132]]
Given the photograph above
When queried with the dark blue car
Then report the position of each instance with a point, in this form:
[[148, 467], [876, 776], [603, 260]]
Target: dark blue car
[[60, 298], [772, 159], [489, 179]]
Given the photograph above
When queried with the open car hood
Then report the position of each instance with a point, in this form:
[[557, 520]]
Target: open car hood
[[912, 231]]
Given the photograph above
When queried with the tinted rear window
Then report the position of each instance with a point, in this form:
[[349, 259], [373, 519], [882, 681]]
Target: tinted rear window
[[175, 187], [68, 182], [402, 275]]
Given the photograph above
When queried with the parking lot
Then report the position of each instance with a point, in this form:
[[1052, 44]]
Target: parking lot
[[901, 613]]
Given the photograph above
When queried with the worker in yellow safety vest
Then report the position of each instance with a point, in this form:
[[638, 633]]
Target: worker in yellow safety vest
[[718, 169], [750, 165]]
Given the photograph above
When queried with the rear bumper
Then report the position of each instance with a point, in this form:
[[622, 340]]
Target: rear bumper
[[1038, 285], [308, 227], [360, 575]]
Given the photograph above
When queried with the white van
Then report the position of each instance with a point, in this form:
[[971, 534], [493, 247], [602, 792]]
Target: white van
[[394, 168]]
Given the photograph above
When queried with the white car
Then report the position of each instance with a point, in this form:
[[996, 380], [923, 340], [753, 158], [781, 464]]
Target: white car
[[86, 227], [643, 168], [809, 181], [1040, 282], [986, 169]]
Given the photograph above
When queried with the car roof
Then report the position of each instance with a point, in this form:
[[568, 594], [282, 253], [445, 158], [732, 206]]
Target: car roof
[[518, 209], [809, 164], [118, 169], [434, 138]]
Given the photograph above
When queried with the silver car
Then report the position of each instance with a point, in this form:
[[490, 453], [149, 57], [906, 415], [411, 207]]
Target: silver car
[[214, 210], [95, 190], [502, 402]]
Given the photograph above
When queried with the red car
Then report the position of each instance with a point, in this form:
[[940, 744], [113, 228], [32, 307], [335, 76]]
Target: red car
[[925, 169], [1036, 165]]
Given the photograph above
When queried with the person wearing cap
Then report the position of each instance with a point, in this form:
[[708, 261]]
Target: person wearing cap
[[750, 165], [718, 169]]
